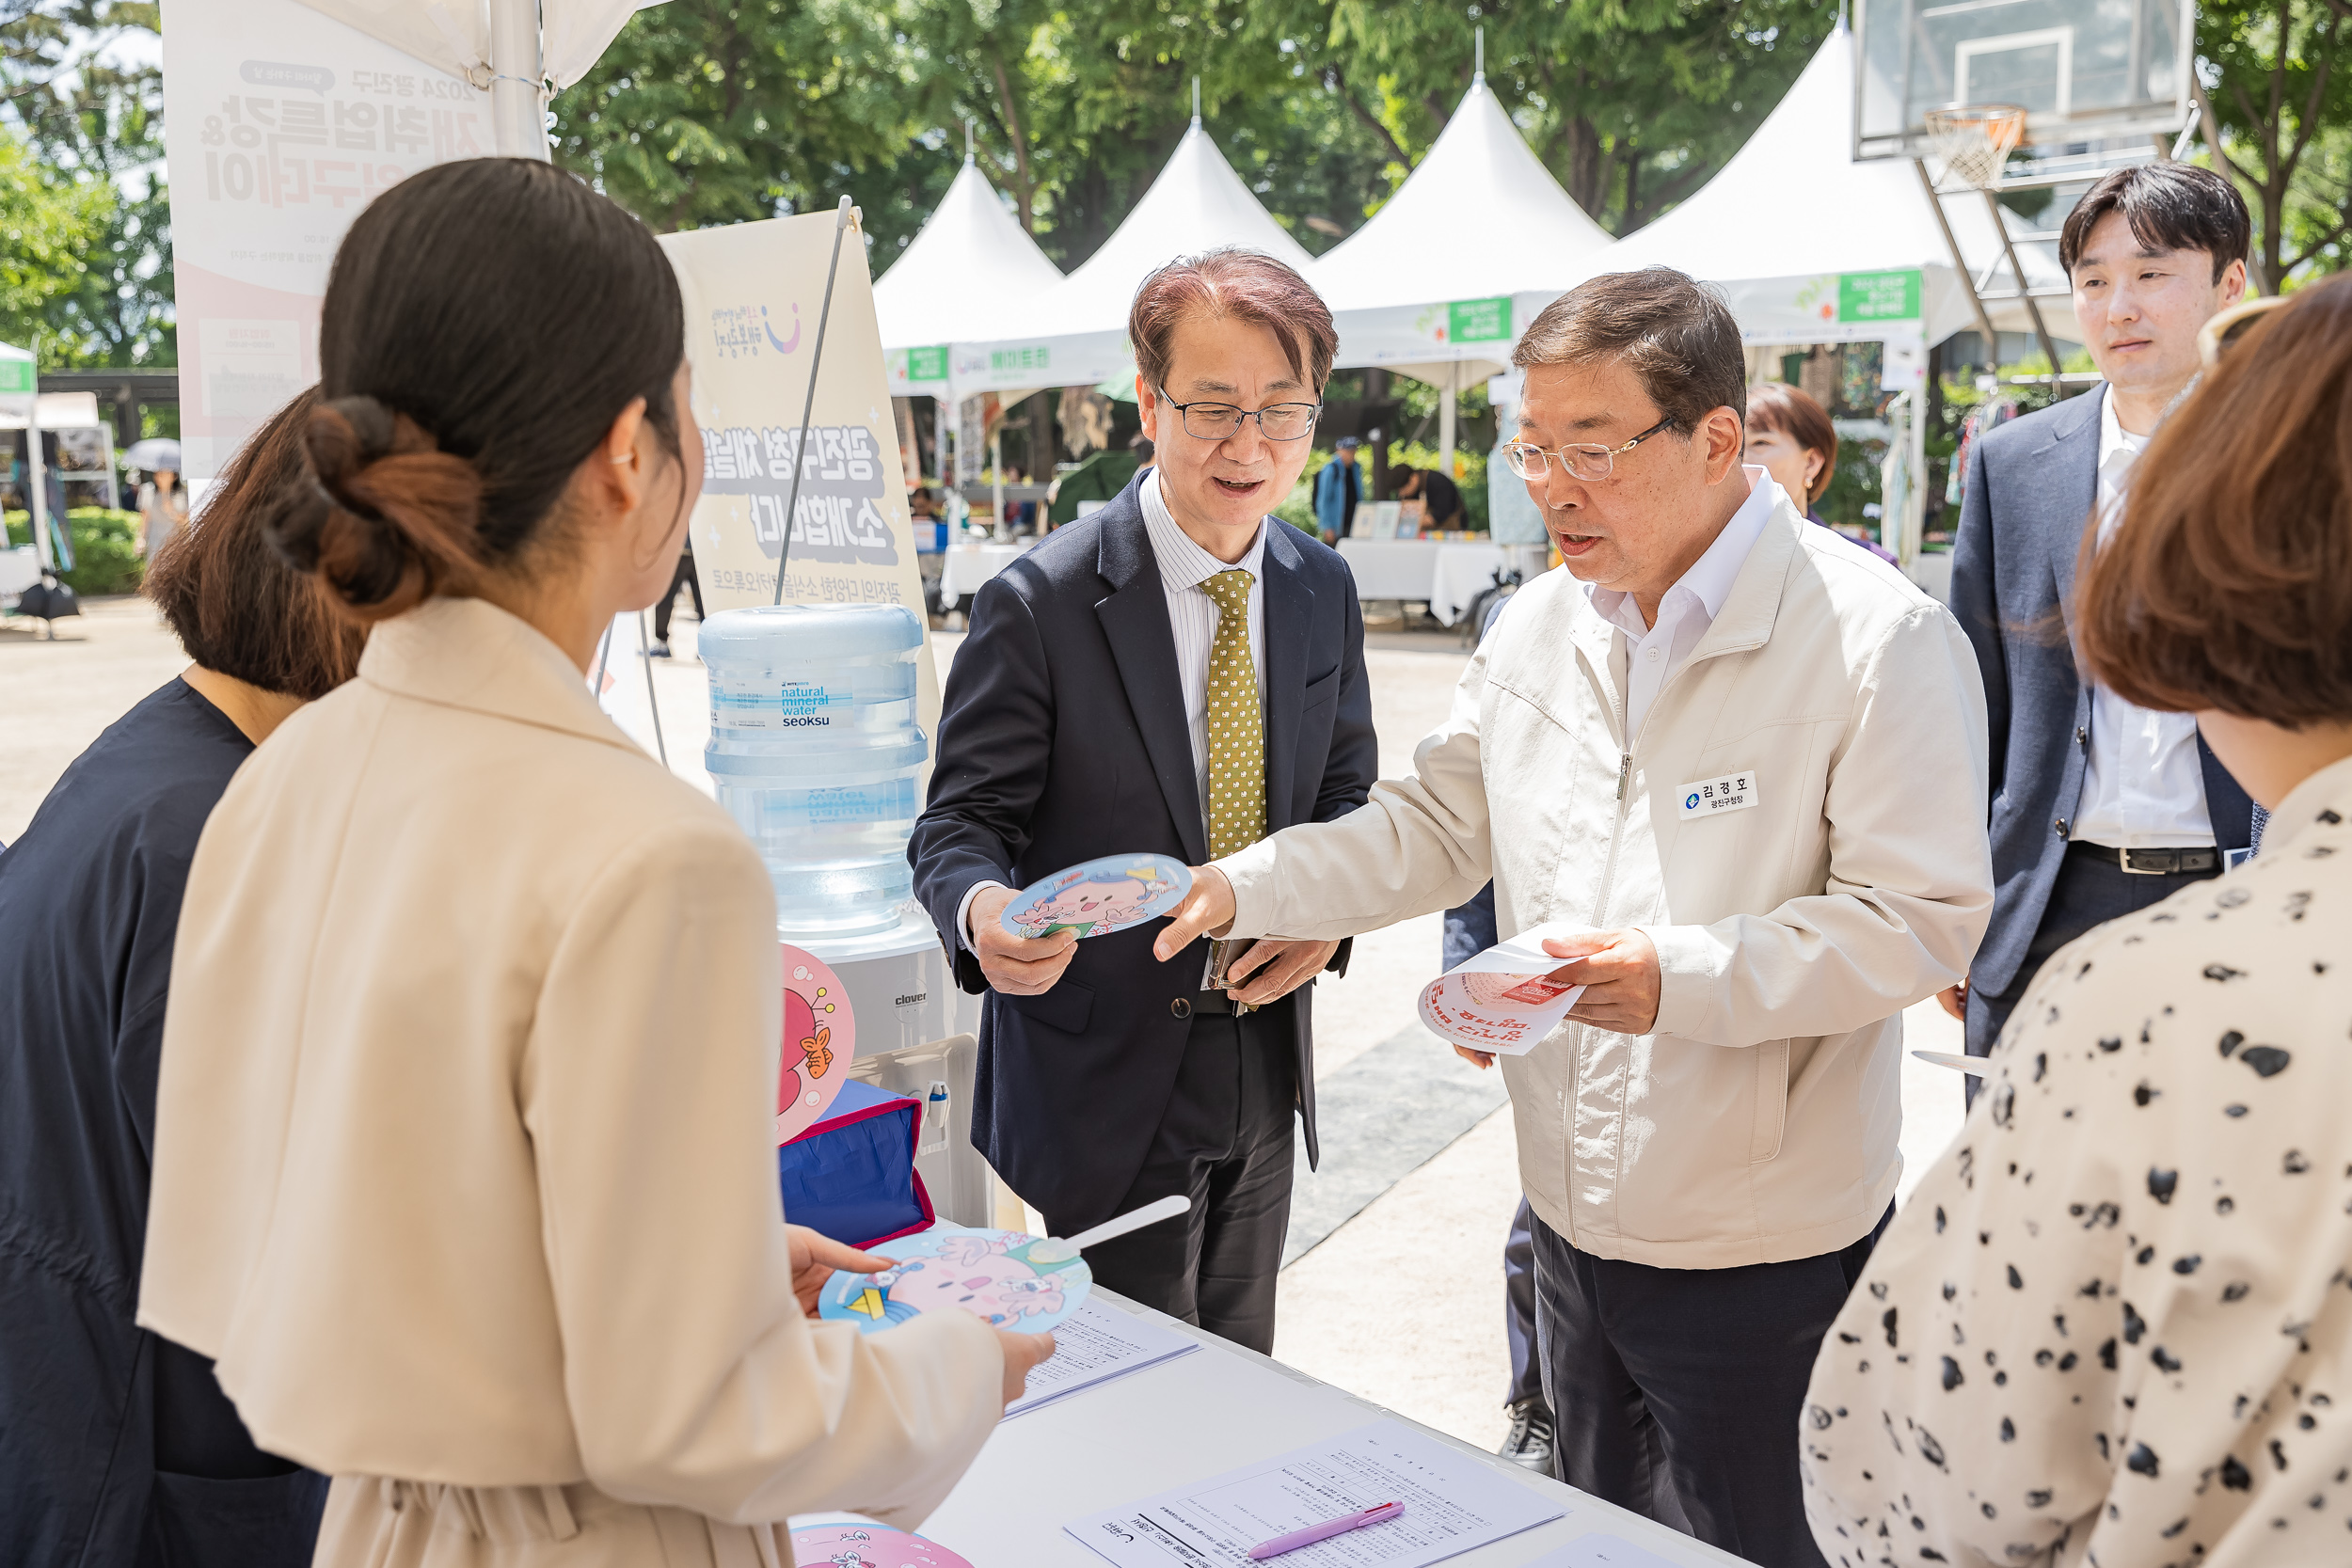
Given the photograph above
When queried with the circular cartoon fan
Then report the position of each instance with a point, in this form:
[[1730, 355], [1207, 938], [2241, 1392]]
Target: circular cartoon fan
[[859, 1546], [819, 1040], [992, 1274], [1100, 897]]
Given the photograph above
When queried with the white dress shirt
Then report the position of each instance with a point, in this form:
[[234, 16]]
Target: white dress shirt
[[2143, 786], [1688, 608], [1192, 616]]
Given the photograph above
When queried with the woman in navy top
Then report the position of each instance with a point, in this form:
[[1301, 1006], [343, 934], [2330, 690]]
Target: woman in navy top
[[116, 1447]]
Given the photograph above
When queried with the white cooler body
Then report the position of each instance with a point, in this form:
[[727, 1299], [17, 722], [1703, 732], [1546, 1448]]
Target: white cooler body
[[917, 1035]]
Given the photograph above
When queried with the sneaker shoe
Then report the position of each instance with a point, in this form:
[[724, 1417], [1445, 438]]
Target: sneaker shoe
[[660, 649], [1530, 1443]]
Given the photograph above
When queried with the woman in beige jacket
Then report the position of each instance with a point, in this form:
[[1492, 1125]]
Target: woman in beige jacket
[[462, 1170]]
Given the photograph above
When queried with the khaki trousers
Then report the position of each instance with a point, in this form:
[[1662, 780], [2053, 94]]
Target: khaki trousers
[[374, 1523]]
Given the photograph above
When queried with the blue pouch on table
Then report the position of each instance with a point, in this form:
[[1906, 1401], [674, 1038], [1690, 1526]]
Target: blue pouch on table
[[852, 1176]]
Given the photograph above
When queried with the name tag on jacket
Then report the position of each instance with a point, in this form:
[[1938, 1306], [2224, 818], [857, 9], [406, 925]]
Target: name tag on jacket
[[1733, 792]]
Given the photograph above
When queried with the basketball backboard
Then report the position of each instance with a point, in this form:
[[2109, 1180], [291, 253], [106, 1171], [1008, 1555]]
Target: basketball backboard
[[2084, 71]]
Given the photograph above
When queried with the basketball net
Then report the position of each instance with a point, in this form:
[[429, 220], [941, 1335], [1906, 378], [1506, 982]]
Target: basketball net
[[1974, 140]]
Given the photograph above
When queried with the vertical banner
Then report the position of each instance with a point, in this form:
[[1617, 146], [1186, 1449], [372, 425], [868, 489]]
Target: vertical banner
[[752, 293], [279, 125]]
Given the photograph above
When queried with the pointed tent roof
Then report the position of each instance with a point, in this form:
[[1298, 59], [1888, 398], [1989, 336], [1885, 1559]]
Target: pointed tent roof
[[1793, 203], [971, 261], [1479, 179], [1075, 333]]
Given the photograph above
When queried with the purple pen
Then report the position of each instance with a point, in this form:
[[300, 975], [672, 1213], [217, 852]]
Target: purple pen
[[1324, 1530]]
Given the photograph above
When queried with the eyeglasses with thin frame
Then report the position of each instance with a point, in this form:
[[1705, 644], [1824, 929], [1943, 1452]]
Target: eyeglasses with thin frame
[[1222, 421], [1586, 460]]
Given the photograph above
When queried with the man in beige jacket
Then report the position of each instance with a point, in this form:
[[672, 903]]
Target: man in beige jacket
[[1708, 1143]]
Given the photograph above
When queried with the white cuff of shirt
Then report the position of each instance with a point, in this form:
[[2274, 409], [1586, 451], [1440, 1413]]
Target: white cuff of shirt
[[963, 914]]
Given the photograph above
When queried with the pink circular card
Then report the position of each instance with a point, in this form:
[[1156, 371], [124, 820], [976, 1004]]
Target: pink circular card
[[819, 1038], [869, 1547]]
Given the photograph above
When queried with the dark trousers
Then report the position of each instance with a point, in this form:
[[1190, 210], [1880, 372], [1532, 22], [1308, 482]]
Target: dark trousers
[[1226, 1141], [1676, 1391], [684, 578], [2089, 893], [1518, 1307]]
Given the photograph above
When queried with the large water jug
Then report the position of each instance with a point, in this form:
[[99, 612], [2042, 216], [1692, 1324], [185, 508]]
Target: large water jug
[[815, 749]]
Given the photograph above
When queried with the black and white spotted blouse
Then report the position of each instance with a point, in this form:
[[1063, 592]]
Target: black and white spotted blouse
[[2113, 1326]]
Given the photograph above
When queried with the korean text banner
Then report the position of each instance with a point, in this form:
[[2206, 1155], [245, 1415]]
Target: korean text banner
[[753, 295], [281, 124]]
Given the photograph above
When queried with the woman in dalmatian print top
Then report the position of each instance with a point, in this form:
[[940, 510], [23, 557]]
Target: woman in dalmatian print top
[[2113, 1326]]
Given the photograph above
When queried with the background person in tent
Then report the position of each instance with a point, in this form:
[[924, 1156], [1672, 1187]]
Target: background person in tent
[[2101, 807], [1177, 673], [1709, 1143], [1338, 485]]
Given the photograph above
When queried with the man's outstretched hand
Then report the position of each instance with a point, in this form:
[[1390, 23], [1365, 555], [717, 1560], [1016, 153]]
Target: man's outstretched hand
[[1206, 912], [1618, 971], [1016, 966]]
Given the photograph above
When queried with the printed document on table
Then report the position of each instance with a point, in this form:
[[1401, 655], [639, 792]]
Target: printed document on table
[[1452, 1504], [1098, 1343]]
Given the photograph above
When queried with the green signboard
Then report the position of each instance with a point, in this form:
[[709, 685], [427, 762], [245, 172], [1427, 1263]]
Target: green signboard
[[928, 364], [1001, 360], [1479, 321], [1879, 296], [16, 375]]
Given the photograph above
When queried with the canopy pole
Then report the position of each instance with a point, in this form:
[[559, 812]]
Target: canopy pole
[[809, 407], [518, 120], [967, 141], [38, 509], [1195, 101], [1445, 420], [1480, 55]]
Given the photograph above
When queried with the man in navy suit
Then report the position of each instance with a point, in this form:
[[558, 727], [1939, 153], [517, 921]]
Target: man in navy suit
[[1175, 673], [2098, 807]]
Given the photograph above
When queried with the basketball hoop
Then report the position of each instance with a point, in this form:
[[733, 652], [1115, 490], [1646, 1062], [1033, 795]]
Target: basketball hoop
[[1974, 140]]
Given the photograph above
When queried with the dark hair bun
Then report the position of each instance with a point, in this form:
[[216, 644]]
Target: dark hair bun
[[393, 519]]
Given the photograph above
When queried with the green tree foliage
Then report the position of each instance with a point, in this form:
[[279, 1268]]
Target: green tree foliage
[[46, 225], [706, 111], [87, 118], [2278, 77]]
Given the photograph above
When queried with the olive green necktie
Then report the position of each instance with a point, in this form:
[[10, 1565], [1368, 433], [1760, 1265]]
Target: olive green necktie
[[1237, 722]]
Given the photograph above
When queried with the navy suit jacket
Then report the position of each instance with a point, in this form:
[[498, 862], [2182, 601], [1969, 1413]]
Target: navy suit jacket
[[1062, 738], [2032, 488]]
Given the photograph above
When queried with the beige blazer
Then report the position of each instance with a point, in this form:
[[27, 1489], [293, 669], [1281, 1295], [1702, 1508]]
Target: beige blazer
[[1758, 1123], [464, 1167]]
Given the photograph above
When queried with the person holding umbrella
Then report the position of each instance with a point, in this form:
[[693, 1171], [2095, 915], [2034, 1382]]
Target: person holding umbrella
[[162, 499]]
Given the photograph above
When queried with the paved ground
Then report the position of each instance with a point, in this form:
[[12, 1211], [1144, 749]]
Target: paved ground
[[1399, 1298]]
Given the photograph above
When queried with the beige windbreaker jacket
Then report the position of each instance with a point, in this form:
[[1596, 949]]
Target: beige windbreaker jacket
[[1758, 1123]]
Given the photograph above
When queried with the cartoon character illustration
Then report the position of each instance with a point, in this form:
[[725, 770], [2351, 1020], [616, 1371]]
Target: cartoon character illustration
[[1090, 908], [811, 1011], [974, 1274]]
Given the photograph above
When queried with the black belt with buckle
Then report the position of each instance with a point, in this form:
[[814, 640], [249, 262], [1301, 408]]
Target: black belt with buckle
[[2154, 862], [1216, 1001]]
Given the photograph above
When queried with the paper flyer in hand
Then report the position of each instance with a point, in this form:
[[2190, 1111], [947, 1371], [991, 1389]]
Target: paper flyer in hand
[[819, 1037], [857, 1545], [1503, 1000], [1100, 897], [949, 1268]]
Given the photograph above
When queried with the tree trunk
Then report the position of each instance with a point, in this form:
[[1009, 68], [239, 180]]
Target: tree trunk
[[1025, 198]]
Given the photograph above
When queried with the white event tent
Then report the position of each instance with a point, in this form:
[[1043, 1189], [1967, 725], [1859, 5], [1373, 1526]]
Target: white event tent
[[1449, 271], [1814, 247], [1075, 334], [971, 264]]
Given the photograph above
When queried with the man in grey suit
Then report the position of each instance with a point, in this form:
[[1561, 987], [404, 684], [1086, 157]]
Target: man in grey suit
[[2098, 807]]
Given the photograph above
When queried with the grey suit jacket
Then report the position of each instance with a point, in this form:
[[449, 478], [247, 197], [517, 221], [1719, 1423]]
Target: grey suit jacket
[[2032, 486]]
